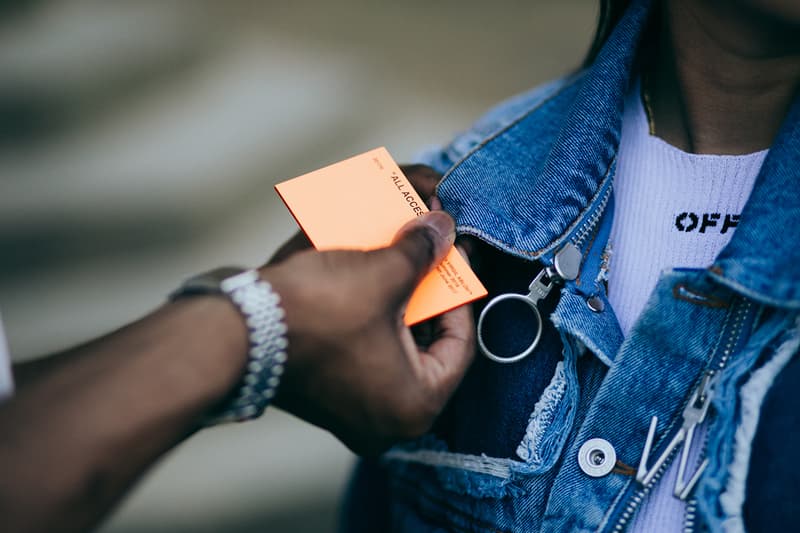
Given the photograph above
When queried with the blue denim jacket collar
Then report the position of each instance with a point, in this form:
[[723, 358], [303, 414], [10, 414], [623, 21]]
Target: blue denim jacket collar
[[763, 257], [528, 187]]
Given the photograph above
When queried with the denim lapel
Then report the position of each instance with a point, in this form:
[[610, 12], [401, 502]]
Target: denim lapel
[[525, 188], [763, 258]]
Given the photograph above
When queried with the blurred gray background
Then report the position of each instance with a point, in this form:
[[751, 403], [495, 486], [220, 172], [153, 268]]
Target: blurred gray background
[[139, 143]]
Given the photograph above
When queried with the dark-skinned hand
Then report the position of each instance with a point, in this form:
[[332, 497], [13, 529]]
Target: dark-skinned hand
[[354, 367]]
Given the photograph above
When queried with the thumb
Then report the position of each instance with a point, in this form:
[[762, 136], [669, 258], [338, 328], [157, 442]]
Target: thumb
[[417, 248]]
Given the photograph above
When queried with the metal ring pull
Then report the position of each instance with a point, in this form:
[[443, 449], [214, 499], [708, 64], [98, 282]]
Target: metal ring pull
[[538, 289], [527, 351]]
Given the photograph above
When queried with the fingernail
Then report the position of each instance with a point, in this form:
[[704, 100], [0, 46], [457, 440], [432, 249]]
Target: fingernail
[[435, 203], [442, 223]]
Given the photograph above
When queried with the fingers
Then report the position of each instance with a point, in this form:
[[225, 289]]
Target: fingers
[[418, 247], [473, 251], [453, 350], [298, 242], [423, 178]]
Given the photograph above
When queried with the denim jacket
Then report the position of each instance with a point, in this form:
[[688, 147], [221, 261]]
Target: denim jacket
[[536, 175]]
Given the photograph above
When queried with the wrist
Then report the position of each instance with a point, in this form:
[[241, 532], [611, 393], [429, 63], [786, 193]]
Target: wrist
[[262, 316], [218, 347], [298, 304]]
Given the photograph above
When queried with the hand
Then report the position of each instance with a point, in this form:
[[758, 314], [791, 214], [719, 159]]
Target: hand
[[422, 178], [354, 367]]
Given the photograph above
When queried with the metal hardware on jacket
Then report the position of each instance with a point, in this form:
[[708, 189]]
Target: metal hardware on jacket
[[528, 179]]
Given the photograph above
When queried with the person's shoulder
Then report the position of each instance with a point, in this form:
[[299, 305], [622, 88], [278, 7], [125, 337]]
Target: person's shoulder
[[554, 96]]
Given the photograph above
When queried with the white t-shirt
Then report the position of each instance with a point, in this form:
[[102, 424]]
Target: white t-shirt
[[671, 209]]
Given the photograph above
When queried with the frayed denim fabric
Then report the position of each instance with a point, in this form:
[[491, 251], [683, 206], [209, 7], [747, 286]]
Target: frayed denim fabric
[[533, 176]]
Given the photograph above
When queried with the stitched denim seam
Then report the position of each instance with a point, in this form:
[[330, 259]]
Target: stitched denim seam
[[471, 230], [755, 295]]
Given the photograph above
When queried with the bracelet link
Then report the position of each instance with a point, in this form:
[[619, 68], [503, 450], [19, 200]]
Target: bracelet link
[[260, 307]]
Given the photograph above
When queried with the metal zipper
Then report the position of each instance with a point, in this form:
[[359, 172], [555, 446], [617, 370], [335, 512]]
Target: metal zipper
[[704, 391], [567, 260], [690, 517], [588, 226], [565, 266], [692, 414], [640, 494]]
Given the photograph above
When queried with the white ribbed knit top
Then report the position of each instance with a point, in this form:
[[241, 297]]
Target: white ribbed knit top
[[671, 209]]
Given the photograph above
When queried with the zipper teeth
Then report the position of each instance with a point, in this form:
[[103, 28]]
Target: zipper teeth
[[691, 506], [640, 494], [689, 520], [594, 218], [736, 329]]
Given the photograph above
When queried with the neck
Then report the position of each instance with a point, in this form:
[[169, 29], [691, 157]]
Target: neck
[[723, 76]]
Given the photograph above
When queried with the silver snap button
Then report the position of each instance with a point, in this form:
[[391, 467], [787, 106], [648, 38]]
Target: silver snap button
[[597, 457], [596, 304]]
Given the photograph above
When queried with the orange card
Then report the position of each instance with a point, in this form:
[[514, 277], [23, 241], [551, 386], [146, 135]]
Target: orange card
[[360, 203]]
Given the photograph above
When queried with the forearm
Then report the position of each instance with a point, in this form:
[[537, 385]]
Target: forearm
[[73, 440], [75, 437]]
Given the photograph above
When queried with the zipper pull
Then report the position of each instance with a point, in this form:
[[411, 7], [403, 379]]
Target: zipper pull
[[567, 262], [696, 410], [566, 266], [538, 289], [693, 414], [541, 286]]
